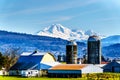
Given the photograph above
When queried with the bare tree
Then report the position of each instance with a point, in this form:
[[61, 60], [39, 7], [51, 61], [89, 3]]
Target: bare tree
[[11, 56]]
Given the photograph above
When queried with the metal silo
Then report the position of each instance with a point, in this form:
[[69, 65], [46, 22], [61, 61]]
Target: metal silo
[[94, 50], [71, 52]]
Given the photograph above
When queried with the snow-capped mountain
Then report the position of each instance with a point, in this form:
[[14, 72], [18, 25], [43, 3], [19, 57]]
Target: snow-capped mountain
[[59, 31], [55, 31]]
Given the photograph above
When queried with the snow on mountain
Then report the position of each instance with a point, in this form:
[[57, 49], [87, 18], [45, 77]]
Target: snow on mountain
[[56, 30], [59, 31], [90, 33]]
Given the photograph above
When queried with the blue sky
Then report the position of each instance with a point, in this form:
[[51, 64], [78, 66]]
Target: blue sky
[[30, 16]]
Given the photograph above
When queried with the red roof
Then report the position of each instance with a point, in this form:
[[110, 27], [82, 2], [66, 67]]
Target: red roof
[[68, 67], [104, 62]]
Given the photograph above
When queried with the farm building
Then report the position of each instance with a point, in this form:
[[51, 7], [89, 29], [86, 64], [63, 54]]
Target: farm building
[[33, 64], [71, 52], [3, 71], [113, 66], [73, 70], [102, 64], [94, 50]]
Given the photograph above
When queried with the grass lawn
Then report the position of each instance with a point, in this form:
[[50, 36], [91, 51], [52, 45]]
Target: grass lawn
[[101, 76], [41, 78], [45, 78]]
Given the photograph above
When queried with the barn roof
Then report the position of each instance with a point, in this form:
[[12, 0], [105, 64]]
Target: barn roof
[[35, 53], [48, 65], [69, 67], [29, 61], [113, 63], [26, 62]]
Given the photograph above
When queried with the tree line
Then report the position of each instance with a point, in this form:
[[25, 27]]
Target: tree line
[[9, 58]]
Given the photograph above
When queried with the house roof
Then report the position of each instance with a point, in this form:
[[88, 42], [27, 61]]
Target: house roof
[[69, 67]]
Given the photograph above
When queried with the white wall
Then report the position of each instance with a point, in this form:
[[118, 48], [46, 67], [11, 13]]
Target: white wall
[[1, 72], [48, 58], [24, 73], [28, 73], [92, 69]]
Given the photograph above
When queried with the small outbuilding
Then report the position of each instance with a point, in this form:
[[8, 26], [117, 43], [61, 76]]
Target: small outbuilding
[[73, 70], [113, 66], [33, 64], [3, 71]]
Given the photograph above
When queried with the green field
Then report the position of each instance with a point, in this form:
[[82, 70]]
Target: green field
[[100, 76], [42, 78]]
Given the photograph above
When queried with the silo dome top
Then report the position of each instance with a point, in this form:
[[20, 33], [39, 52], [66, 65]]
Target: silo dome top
[[93, 38], [72, 42]]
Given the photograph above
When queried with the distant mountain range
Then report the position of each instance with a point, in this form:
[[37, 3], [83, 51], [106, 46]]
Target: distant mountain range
[[28, 42], [59, 31], [111, 39], [112, 50]]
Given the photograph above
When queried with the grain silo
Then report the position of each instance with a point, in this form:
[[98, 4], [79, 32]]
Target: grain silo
[[94, 50], [71, 52]]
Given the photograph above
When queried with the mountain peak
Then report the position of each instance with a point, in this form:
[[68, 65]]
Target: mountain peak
[[55, 28], [90, 33], [58, 25], [59, 31]]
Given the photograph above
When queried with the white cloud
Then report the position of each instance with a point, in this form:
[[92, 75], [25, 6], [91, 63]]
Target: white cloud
[[55, 20], [53, 8]]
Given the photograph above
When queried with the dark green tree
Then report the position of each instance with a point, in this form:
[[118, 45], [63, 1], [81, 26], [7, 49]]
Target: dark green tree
[[2, 61]]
